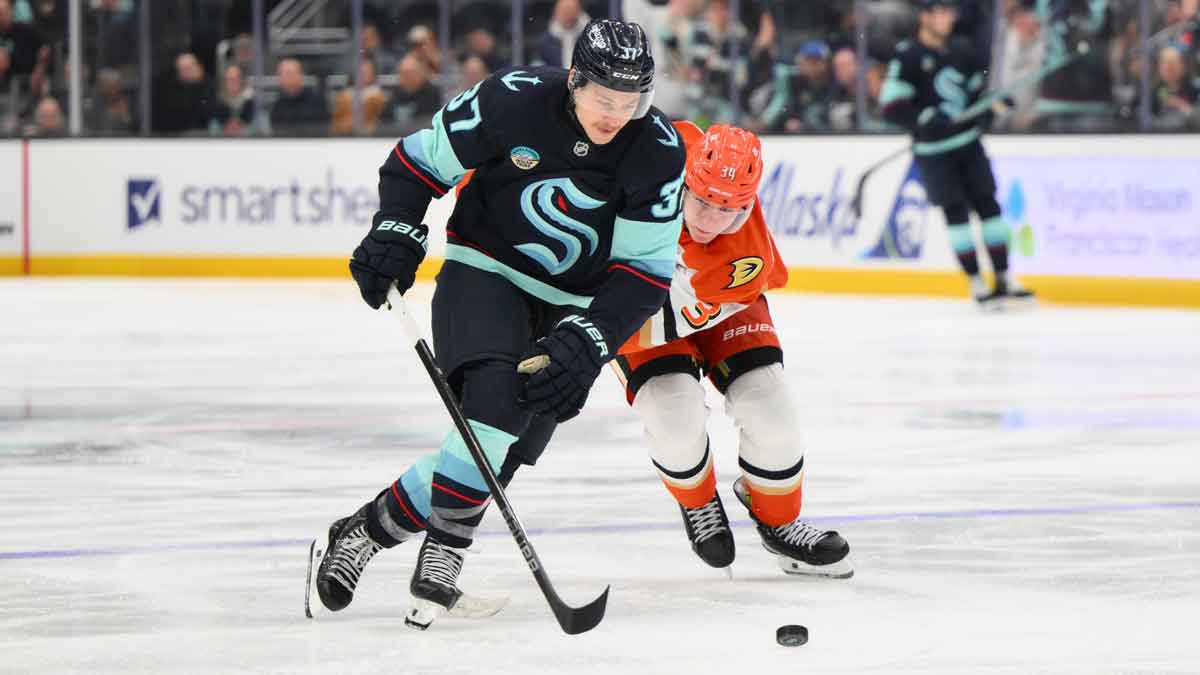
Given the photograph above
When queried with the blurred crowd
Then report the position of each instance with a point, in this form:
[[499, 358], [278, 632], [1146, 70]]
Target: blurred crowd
[[773, 66]]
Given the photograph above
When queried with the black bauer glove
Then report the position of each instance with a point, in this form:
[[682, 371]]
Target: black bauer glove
[[389, 254], [561, 368], [933, 123]]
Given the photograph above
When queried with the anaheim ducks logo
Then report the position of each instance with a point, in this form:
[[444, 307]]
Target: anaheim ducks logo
[[745, 270]]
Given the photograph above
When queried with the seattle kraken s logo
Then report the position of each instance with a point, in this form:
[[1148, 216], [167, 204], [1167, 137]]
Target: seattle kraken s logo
[[538, 199]]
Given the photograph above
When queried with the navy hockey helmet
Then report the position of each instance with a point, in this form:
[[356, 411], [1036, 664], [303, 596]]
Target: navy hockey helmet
[[926, 5], [615, 54]]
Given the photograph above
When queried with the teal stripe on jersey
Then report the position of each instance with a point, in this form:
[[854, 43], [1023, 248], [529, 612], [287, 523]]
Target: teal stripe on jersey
[[455, 461], [996, 231], [416, 482], [647, 246], [538, 289], [946, 145], [961, 239], [895, 89], [431, 149]]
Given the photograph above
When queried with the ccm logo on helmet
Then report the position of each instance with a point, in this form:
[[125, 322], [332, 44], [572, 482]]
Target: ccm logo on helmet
[[625, 76], [747, 329]]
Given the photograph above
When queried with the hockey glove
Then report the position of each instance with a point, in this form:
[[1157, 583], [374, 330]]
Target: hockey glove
[[932, 123], [389, 254], [561, 368]]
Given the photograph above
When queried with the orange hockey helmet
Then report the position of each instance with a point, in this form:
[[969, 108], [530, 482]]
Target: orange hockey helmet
[[722, 177], [727, 167]]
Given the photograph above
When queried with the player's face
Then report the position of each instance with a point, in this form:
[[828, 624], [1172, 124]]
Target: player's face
[[603, 112], [706, 221], [940, 20]]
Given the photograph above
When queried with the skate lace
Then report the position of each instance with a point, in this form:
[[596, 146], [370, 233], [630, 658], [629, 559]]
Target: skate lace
[[441, 564], [351, 556], [707, 521], [797, 533]]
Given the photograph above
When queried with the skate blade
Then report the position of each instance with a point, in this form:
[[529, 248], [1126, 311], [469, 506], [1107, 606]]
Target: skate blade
[[1020, 304], [312, 601], [422, 614], [841, 569], [472, 607]]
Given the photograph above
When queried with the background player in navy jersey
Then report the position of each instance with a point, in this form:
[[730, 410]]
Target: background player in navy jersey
[[562, 244], [929, 82]]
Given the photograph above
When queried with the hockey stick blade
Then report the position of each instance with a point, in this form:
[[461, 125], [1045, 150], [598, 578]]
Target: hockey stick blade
[[576, 620]]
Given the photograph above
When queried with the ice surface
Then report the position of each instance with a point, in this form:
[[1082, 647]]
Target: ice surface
[[1021, 493]]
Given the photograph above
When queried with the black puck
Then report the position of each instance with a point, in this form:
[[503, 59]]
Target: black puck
[[791, 635]]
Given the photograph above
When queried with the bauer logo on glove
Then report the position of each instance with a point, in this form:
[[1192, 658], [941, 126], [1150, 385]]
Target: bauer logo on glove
[[561, 368]]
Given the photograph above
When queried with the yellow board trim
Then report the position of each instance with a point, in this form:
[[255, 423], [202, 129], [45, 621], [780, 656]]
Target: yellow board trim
[[10, 266], [1059, 289]]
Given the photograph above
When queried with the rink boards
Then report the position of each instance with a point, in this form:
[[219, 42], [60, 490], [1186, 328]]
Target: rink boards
[[1112, 219]]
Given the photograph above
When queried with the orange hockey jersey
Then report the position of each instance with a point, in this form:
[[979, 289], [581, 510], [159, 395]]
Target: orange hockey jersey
[[716, 280]]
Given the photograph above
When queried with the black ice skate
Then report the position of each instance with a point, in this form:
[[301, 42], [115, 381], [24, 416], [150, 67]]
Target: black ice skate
[[335, 564], [1005, 294], [434, 585], [800, 548], [708, 529]]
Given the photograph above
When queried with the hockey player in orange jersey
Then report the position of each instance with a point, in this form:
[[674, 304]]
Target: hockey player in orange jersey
[[717, 323]]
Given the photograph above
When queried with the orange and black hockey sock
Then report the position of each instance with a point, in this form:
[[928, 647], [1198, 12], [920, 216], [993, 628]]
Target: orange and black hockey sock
[[693, 487], [775, 496]]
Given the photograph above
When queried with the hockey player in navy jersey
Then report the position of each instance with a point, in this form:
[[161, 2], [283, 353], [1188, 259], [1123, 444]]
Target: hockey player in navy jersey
[[562, 244], [931, 81]]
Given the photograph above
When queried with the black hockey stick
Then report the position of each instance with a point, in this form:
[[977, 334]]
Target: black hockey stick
[[573, 620]]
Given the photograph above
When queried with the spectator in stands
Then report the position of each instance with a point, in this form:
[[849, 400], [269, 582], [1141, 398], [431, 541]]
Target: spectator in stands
[[374, 51], [1078, 96], [557, 44], [473, 71], [1022, 51], [24, 45], [181, 99], [720, 64], [423, 42], [6, 75], [234, 109], [843, 97], [373, 98], [801, 100], [1175, 99], [875, 76], [113, 35], [416, 99], [109, 112], [47, 119], [243, 53], [676, 25], [50, 20], [299, 110], [480, 42]]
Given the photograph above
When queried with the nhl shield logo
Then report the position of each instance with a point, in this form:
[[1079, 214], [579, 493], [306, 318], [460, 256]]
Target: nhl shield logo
[[581, 149], [525, 158]]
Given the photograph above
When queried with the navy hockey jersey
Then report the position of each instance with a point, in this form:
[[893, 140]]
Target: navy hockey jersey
[[921, 80], [565, 220]]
